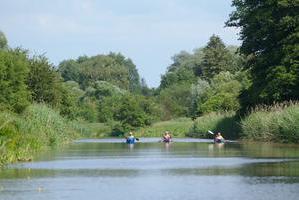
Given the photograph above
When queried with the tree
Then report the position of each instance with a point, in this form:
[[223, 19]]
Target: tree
[[70, 70], [3, 41], [113, 68], [222, 95], [175, 100], [216, 58], [134, 79], [44, 82], [198, 96], [269, 31], [181, 71], [145, 90], [14, 68]]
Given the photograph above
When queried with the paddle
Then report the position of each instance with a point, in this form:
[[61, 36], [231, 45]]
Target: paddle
[[211, 132]]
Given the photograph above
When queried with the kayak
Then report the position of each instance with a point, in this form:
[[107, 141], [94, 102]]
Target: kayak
[[130, 140], [218, 141], [166, 141]]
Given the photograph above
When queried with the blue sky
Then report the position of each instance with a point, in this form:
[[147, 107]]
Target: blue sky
[[150, 32]]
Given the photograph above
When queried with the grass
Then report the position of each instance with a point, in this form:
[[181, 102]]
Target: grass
[[92, 130], [178, 128], [226, 123], [277, 123], [38, 127]]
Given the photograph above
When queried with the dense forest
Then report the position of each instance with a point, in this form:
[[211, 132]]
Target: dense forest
[[219, 87]]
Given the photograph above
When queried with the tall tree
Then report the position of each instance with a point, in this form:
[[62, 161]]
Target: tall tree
[[181, 71], [216, 58], [134, 79], [269, 30], [44, 82], [14, 68]]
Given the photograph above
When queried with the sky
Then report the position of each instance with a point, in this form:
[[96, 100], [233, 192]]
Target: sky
[[149, 32]]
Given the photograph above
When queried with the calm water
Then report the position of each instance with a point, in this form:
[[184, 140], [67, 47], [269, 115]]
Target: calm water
[[186, 169]]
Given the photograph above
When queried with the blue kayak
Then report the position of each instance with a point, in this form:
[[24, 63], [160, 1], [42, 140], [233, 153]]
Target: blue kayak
[[130, 140]]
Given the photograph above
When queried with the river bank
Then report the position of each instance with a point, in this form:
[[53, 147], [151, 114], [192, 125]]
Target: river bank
[[276, 123], [37, 128], [40, 127]]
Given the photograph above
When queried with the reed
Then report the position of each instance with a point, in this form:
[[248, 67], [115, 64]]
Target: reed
[[38, 127], [226, 123], [278, 123]]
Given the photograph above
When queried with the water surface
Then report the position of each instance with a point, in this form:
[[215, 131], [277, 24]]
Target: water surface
[[185, 169]]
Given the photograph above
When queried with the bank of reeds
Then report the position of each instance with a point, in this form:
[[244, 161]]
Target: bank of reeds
[[278, 123], [226, 123], [36, 128]]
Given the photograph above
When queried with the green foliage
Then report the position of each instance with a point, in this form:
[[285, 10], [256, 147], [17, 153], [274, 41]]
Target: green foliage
[[218, 96], [127, 112], [14, 68], [38, 127], [145, 90], [88, 109], [207, 80], [270, 33], [48, 124], [175, 100], [199, 94], [132, 113], [279, 123], [134, 79], [182, 71], [70, 105], [103, 89], [112, 68], [226, 123], [216, 58], [222, 94], [3, 41], [44, 82]]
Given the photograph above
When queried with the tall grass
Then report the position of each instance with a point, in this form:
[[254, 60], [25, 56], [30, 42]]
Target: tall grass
[[278, 123], [226, 123], [38, 127], [178, 127]]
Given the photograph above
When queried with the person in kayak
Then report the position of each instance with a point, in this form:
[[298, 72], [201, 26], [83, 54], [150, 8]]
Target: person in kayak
[[130, 139], [218, 138], [167, 137]]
